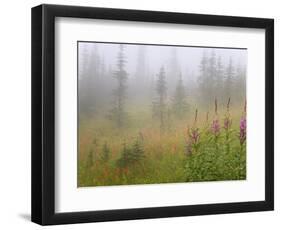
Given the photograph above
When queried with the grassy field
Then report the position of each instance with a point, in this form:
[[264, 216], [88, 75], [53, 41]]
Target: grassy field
[[199, 147]]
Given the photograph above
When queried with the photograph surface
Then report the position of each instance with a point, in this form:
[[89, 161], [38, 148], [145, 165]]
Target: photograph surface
[[151, 114]]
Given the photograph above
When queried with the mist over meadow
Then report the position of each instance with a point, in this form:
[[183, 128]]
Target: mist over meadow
[[159, 114], [200, 69]]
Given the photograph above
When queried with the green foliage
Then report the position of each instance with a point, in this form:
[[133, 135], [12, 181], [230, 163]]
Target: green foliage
[[137, 151], [131, 155], [216, 161], [90, 159], [125, 158], [155, 157], [105, 153]]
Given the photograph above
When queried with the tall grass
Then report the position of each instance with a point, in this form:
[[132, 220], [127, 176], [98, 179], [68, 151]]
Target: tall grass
[[211, 146]]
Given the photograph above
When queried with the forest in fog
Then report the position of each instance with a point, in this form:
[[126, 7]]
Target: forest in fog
[[158, 114]]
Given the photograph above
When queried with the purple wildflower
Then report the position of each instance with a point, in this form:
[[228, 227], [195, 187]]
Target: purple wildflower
[[227, 123], [215, 128], [192, 140], [243, 128], [195, 135], [227, 120]]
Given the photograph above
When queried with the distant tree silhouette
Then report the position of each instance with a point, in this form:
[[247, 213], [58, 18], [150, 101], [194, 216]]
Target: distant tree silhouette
[[159, 104], [179, 103], [118, 113]]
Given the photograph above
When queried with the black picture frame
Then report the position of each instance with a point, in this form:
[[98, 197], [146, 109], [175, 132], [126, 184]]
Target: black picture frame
[[43, 114]]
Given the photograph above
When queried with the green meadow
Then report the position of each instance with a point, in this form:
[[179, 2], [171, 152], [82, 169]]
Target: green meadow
[[142, 153]]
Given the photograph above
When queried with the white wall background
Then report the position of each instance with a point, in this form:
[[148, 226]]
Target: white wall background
[[15, 114]]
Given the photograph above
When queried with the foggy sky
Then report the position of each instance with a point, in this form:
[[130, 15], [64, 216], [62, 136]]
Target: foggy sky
[[159, 55]]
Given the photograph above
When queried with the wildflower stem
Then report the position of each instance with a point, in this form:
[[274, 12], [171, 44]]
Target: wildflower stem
[[227, 142]]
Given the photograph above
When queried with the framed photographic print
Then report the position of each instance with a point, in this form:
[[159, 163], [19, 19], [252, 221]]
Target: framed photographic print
[[142, 114]]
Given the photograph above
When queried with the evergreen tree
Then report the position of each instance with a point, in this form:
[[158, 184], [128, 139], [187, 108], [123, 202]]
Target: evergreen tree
[[179, 100], [173, 69], [118, 113], [131, 155], [105, 153], [159, 105], [89, 68], [125, 158], [137, 151], [140, 83], [202, 79], [229, 80], [210, 81], [141, 66], [207, 79], [218, 81], [92, 153], [240, 85]]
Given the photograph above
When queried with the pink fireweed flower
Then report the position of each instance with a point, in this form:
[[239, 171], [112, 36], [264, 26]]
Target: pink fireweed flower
[[195, 135], [192, 140], [215, 127], [243, 129], [227, 123]]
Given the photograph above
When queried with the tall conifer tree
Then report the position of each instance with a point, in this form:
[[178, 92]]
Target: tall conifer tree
[[179, 100], [118, 113], [229, 80], [159, 105]]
